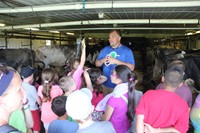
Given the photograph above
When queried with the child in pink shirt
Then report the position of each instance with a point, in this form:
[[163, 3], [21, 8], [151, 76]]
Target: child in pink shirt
[[120, 109], [47, 92], [77, 67]]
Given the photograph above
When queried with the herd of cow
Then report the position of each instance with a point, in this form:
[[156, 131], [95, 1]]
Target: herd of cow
[[47, 56], [154, 60]]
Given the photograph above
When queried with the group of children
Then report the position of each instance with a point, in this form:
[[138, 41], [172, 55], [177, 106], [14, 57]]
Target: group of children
[[76, 102], [47, 102], [72, 103]]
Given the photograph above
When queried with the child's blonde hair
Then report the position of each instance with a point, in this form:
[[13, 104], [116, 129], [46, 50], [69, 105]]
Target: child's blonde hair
[[66, 83]]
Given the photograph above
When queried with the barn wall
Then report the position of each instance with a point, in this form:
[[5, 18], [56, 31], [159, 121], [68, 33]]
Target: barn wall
[[25, 43], [15, 43], [22, 43], [37, 44]]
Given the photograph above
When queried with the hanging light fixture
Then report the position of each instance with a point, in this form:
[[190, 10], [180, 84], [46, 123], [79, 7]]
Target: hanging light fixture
[[197, 32], [1, 24]]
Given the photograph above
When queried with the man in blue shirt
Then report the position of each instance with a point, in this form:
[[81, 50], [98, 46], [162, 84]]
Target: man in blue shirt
[[113, 55]]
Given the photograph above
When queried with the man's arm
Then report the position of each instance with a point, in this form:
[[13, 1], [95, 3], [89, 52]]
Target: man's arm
[[139, 123], [131, 66], [100, 62], [118, 62]]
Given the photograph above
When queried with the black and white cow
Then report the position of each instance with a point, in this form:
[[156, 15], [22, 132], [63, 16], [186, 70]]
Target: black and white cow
[[157, 59], [16, 57], [57, 57]]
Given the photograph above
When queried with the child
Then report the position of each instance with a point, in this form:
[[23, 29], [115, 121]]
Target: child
[[77, 67], [79, 107], [67, 84], [94, 79], [33, 99], [11, 96], [61, 125], [163, 110], [47, 91], [122, 102], [22, 118]]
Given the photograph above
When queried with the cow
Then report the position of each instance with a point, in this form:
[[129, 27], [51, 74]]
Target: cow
[[57, 57], [157, 59], [16, 57], [192, 70]]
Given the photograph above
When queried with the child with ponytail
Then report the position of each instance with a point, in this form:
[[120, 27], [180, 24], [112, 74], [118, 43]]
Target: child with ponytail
[[120, 107], [47, 91]]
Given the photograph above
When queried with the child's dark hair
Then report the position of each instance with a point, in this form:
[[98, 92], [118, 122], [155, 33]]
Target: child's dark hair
[[58, 105], [49, 78], [173, 77], [94, 74], [125, 74]]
